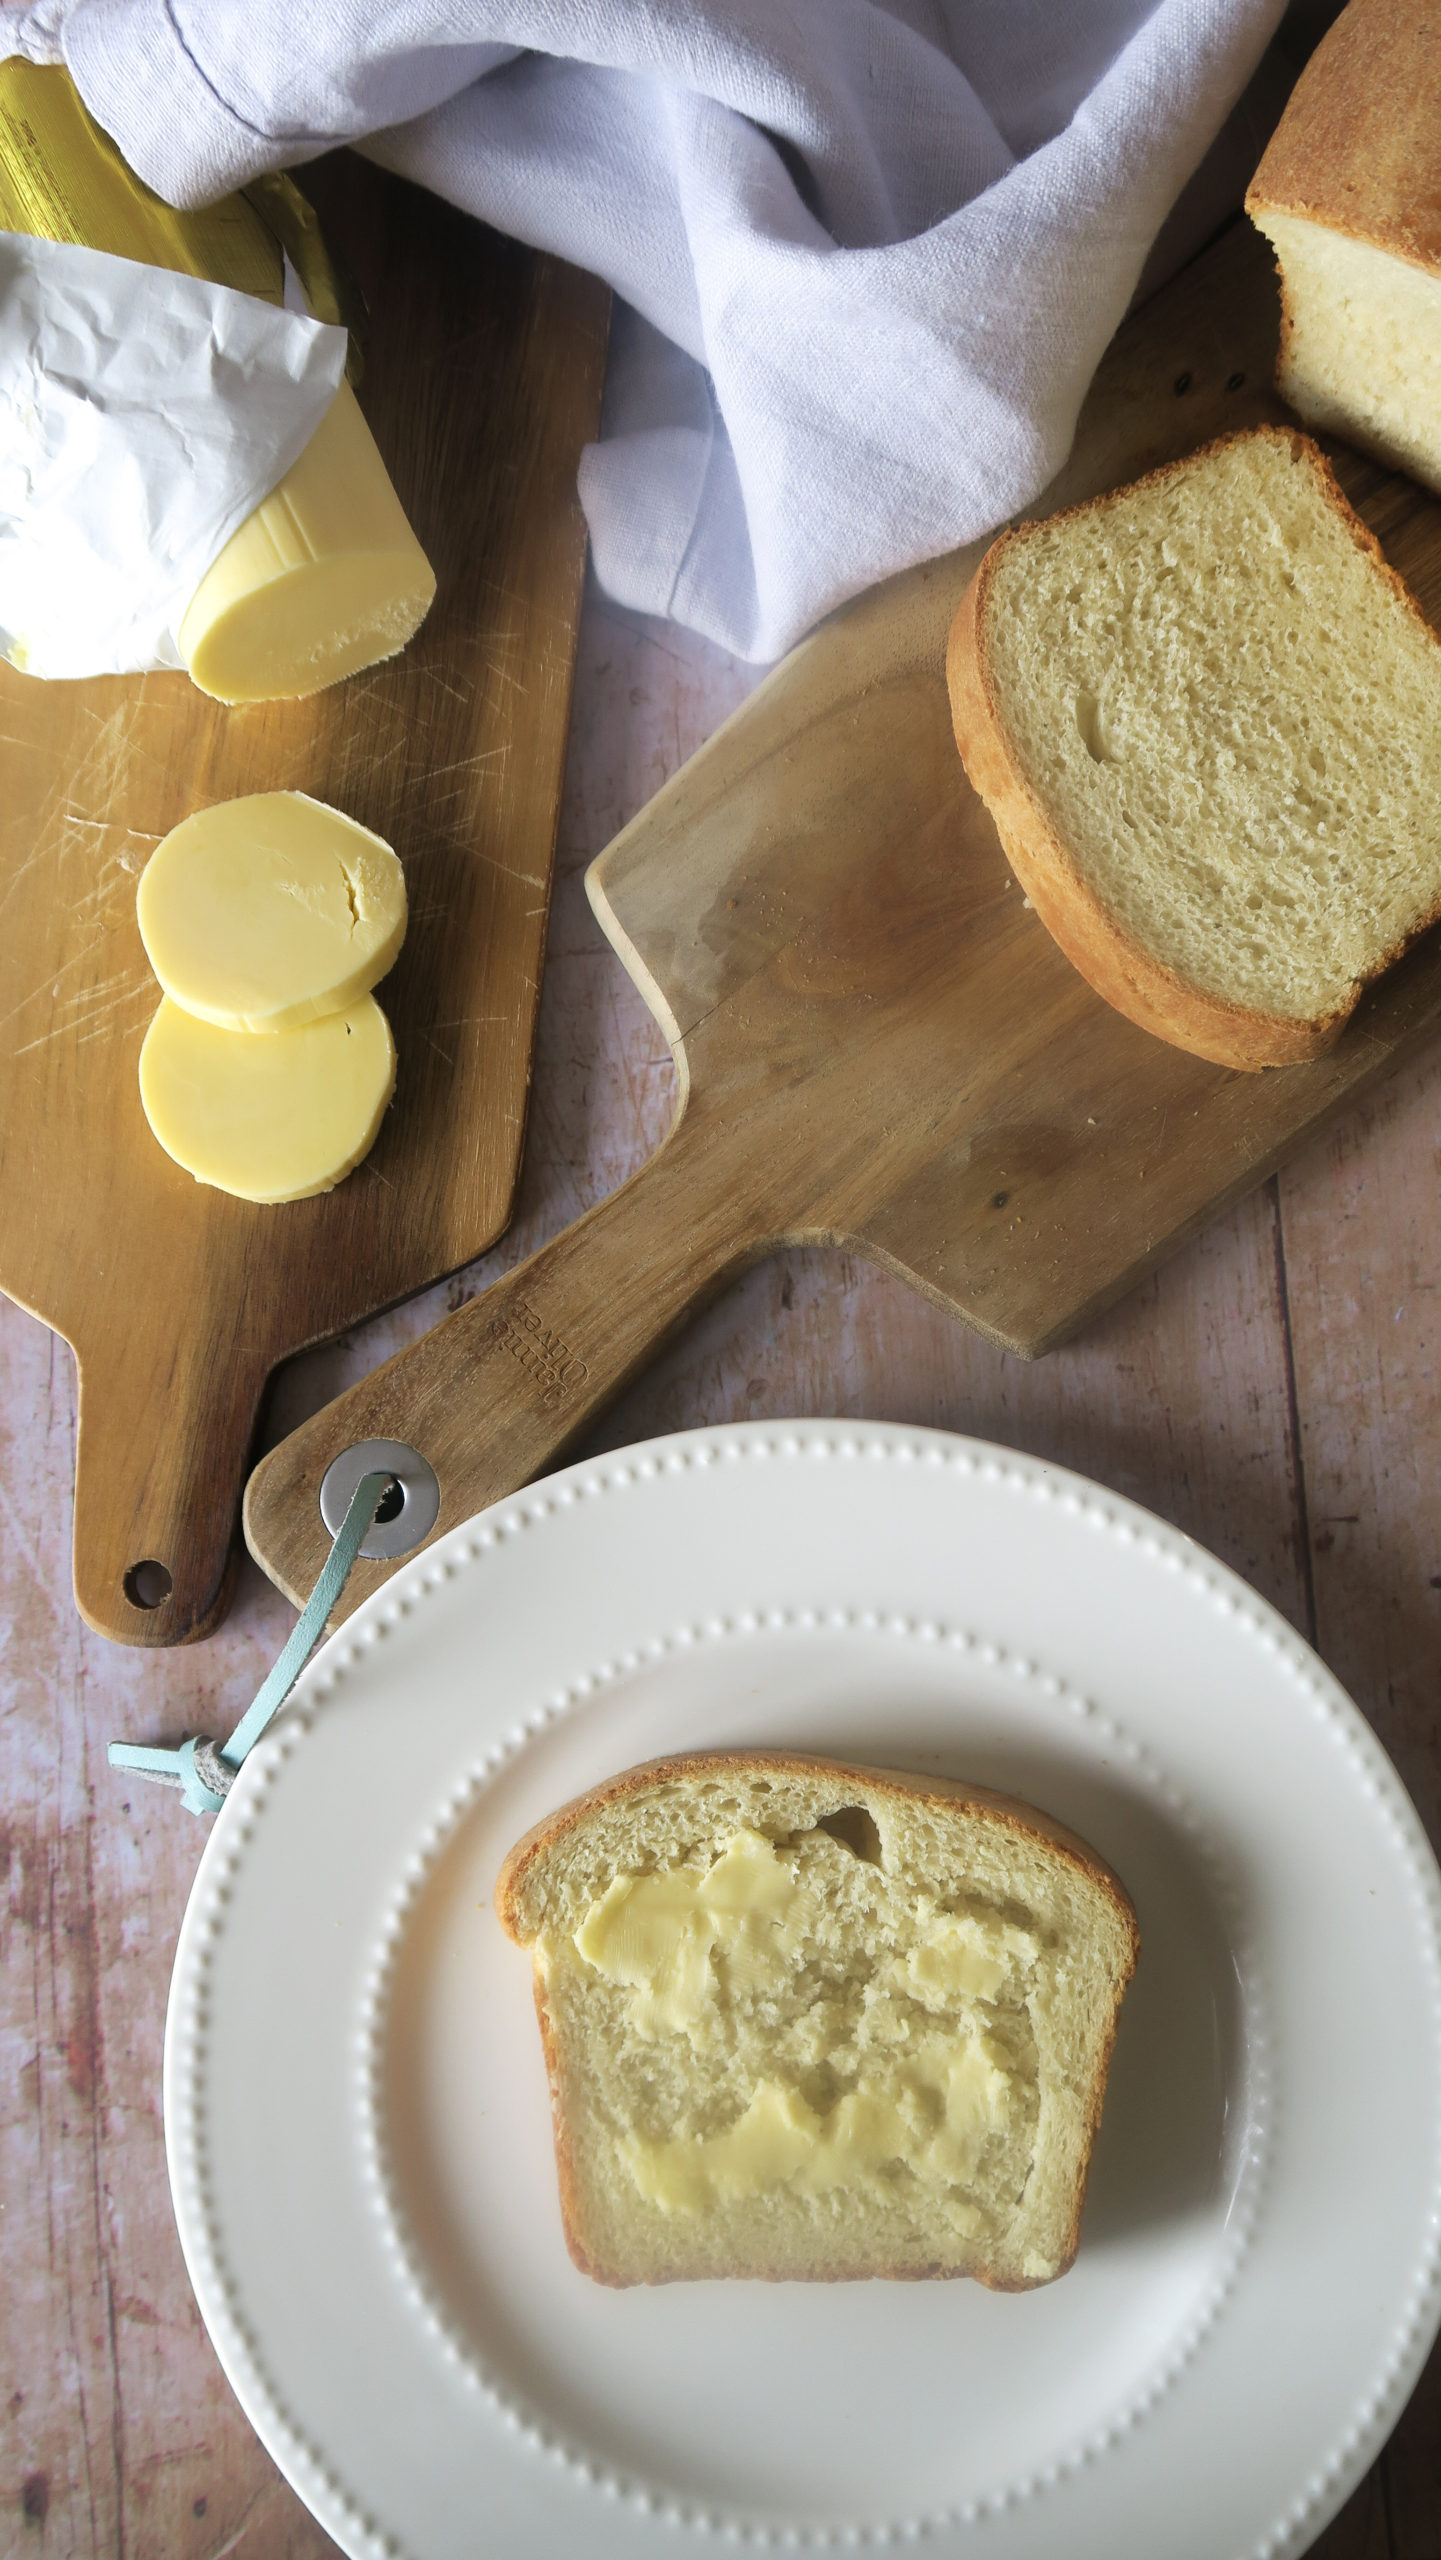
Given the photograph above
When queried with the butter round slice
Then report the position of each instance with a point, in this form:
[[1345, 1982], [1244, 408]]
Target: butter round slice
[[263, 913], [326, 577], [273, 1119]]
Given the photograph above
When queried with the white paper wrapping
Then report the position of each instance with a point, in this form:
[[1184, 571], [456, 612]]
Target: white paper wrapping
[[143, 417]]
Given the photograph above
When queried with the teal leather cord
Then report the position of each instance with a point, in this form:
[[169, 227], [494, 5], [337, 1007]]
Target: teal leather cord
[[202, 1771]]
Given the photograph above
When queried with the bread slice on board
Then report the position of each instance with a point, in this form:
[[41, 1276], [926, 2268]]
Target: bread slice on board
[[1205, 716], [1349, 196], [803, 2019]]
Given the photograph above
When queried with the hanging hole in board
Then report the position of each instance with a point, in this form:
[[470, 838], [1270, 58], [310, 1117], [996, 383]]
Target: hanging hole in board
[[390, 1505], [147, 1584]]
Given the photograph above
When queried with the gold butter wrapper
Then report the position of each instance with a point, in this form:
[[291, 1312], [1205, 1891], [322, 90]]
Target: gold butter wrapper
[[293, 223], [62, 178]]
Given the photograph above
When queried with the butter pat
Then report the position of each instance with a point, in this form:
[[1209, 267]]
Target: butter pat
[[323, 579], [264, 913], [269, 1119]]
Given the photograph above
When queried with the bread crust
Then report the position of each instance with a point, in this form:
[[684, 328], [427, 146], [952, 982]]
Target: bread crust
[[1110, 959], [1358, 154], [1359, 146], [1010, 1811]]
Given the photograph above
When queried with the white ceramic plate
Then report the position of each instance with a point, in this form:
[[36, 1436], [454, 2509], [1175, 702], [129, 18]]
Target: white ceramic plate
[[355, 2105]]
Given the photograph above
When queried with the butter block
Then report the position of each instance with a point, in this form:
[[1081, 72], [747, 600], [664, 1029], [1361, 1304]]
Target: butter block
[[266, 912], [326, 577], [269, 1119]]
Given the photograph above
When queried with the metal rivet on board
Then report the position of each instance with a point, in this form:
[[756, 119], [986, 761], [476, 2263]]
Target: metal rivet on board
[[405, 1516]]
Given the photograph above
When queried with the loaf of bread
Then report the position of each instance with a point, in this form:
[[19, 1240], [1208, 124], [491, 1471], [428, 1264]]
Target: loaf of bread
[[1205, 716], [1349, 195], [808, 2020]]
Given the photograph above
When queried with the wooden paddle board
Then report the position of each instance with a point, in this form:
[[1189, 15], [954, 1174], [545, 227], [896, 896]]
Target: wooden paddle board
[[482, 382], [879, 1045]]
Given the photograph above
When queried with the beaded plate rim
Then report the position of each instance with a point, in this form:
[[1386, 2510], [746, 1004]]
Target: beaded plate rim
[[588, 2469], [189, 2021]]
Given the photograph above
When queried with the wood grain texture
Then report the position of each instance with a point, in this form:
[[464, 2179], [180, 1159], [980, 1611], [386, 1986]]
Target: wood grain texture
[[1186, 1397], [483, 380], [878, 1044]]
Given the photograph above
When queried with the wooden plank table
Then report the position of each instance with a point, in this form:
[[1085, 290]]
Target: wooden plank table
[[1276, 1391]]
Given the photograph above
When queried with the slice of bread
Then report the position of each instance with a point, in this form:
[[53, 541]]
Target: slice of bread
[[1205, 716], [803, 2019], [1349, 196]]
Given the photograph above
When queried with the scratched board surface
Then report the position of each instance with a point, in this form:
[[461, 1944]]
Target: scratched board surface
[[482, 382]]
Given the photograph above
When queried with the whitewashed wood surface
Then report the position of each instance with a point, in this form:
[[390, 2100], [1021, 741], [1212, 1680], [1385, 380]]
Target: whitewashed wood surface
[[1275, 1391]]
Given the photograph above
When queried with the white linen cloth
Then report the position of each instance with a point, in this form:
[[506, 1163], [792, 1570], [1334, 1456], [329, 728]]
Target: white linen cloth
[[872, 249]]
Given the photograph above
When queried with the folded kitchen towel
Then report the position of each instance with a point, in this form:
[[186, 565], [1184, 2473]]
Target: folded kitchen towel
[[872, 249]]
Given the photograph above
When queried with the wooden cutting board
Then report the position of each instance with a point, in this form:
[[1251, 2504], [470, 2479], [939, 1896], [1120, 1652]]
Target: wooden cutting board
[[879, 1045], [482, 382]]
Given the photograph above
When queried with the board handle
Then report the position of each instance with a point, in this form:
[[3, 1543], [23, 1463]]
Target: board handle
[[165, 1428], [491, 1397]]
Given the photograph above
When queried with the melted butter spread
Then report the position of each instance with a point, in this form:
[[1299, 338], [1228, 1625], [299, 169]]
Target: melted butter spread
[[965, 1955], [931, 2121], [930, 2080], [655, 1933]]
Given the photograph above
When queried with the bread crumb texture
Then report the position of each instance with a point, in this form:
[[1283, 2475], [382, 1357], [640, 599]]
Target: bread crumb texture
[[805, 2020], [1228, 710], [1361, 342]]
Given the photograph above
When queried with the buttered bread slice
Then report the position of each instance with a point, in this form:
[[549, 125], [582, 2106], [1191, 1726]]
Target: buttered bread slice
[[808, 2020], [1205, 716]]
